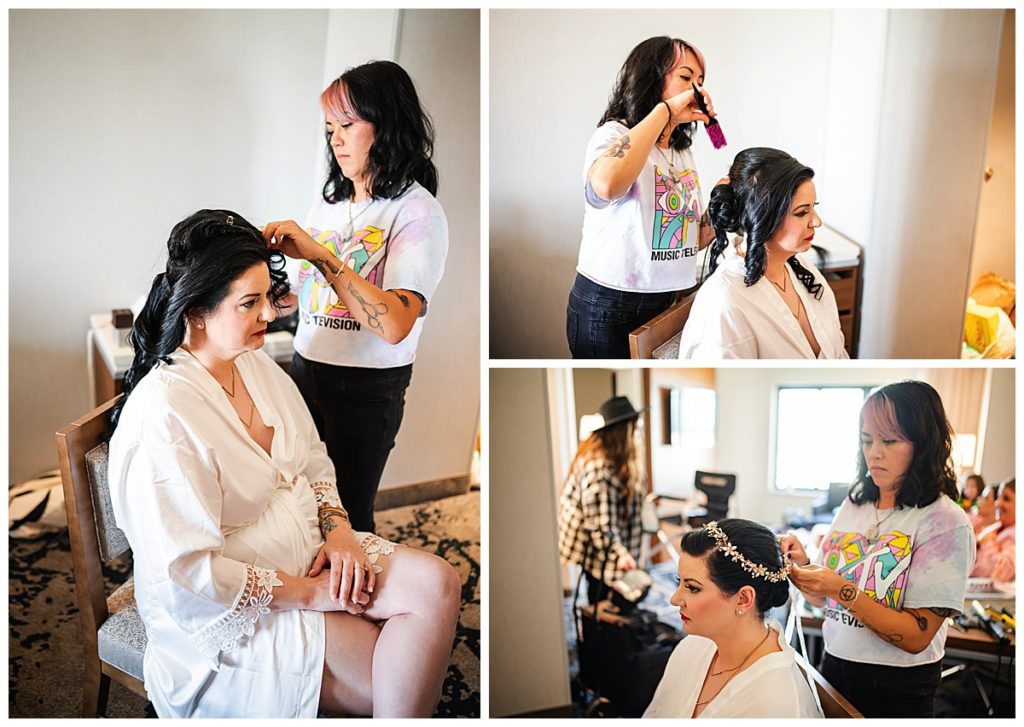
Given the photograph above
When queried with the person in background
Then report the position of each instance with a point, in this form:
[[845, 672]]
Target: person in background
[[599, 509], [997, 543], [894, 563], [983, 513], [973, 486]]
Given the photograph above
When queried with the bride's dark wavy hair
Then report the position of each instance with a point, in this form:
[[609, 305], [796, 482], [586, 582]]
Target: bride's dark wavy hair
[[382, 93], [762, 182], [206, 253], [641, 81], [757, 544], [911, 411]]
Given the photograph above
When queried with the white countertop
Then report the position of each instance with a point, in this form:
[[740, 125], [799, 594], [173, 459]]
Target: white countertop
[[118, 358], [842, 251]]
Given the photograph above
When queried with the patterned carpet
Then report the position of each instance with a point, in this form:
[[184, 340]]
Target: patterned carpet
[[44, 639]]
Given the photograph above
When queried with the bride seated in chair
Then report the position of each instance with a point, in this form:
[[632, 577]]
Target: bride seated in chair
[[768, 300], [259, 599], [732, 663]]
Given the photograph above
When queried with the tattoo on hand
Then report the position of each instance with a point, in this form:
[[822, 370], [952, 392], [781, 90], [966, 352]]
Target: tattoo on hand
[[373, 311], [847, 593], [922, 622], [324, 266], [618, 147]]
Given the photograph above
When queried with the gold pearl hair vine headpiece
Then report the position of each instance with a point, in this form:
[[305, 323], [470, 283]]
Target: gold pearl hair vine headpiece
[[755, 569]]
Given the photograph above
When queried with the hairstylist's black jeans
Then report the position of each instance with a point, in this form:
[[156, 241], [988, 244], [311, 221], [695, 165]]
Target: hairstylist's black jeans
[[357, 412], [599, 319], [885, 691]]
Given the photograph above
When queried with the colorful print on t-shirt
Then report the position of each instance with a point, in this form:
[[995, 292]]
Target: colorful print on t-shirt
[[878, 569], [365, 254], [676, 207]]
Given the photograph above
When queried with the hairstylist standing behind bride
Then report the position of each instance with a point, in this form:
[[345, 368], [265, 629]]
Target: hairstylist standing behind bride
[[644, 220], [374, 253]]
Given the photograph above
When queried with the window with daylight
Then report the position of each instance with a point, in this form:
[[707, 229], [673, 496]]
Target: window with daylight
[[817, 432]]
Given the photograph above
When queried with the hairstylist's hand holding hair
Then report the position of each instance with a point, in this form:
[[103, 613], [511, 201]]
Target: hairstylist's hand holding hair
[[791, 546], [390, 314]]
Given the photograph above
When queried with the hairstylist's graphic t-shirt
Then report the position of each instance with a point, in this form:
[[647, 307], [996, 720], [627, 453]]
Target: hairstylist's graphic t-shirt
[[646, 241], [396, 243], [920, 560]]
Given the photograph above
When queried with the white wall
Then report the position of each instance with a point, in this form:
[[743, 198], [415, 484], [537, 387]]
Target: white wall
[[856, 66], [863, 97], [121, 124], [441, 51], [993, 239], [998, 457], [529, 668], [939, 84], [124, 122]]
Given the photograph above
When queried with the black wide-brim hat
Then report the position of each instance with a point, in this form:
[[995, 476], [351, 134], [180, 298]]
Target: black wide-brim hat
[[617, 409]]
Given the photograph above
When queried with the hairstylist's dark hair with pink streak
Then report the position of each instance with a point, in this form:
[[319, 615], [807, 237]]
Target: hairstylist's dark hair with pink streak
[[382, 93], [910, 411], [641, 82]]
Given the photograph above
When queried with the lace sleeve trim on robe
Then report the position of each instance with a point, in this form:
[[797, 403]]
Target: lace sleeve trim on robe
[[252, 602], [326, 494]]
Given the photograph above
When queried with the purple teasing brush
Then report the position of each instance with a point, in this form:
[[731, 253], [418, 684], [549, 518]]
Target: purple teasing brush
[[715, 133]]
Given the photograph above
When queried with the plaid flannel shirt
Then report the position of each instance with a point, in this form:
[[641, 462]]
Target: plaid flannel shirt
[[596, 524]]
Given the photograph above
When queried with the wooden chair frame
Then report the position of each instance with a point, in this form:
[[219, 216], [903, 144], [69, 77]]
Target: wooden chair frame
[[73, 442], [833, 704], [645, 339]]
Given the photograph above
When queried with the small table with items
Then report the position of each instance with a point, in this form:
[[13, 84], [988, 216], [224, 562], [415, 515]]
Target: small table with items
[[110, 356]]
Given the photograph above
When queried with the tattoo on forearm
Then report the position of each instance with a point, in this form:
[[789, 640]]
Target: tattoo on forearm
[[893, 638], [325, 266], [404, 298], [847, 593], [922, 622], [618, 147], [373, 311], [327, 525]]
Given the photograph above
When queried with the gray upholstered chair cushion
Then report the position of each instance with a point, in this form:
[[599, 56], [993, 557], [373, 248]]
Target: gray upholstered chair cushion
[[111, 539], [669, 349], [122, 638]]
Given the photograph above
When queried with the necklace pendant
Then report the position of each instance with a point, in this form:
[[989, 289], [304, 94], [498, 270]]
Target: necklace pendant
[[873, 533]]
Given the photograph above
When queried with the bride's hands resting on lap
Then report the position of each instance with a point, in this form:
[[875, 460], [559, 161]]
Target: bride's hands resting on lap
[[351, 577]]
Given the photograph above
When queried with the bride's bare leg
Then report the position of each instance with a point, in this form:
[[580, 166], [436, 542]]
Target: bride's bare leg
[[348, 663], [419, 594]]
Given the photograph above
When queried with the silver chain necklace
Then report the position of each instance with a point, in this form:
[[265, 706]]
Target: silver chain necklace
[[874, 530], [673, 172], [352, 220]]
